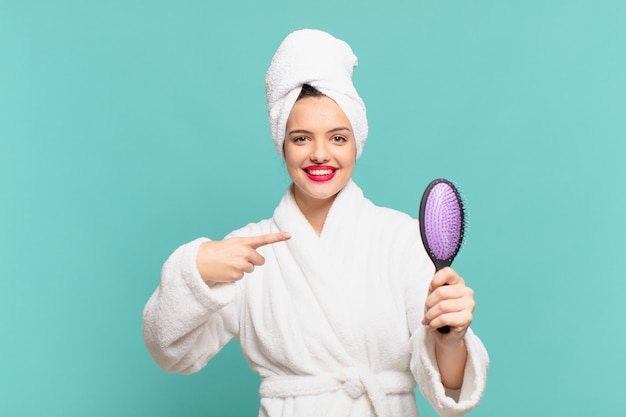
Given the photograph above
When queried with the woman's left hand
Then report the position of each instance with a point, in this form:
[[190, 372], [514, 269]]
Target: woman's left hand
[[449, 303]]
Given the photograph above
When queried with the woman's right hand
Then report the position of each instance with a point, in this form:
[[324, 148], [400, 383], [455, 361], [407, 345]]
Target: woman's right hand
[[229, 259]]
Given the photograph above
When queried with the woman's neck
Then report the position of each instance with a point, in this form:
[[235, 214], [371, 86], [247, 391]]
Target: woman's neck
[[314, 210]]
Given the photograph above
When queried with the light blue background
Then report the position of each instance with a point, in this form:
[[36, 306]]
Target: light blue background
[[130, 127]]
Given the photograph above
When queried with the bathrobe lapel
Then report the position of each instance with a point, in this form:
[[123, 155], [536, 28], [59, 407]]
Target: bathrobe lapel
[[328, 273]]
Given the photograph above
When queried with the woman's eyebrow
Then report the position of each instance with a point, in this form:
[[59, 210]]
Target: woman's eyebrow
[[333, 130], [291, 132], [339, 129]]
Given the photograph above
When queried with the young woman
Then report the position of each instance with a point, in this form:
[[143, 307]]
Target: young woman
[[333, 299]]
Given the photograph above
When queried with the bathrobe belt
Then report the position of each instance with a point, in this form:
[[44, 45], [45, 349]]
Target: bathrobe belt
[[349, 384]]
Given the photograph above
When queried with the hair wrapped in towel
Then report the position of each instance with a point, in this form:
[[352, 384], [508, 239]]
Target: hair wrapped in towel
[[322, 61]]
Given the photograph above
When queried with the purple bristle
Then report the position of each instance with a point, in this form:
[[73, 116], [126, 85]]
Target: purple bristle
[[443, 221]]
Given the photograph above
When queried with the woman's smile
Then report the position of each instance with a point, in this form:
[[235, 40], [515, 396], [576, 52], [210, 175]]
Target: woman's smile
[[320, 173]]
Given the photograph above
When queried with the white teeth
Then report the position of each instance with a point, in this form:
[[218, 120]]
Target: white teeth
[[320, 171]]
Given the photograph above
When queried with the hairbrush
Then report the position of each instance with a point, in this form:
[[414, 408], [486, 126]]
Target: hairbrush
[[442, 224]]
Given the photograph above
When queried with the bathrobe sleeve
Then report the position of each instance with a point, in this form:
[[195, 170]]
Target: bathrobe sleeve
[[186, 322], [447, 403]]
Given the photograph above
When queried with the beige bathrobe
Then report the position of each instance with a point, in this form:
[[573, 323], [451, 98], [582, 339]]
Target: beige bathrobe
[[331, 323]]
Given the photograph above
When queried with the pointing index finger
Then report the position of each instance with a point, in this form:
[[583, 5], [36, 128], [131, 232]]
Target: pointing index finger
[[256, 242]]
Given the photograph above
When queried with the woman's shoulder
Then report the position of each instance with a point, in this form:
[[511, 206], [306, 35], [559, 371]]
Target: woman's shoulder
[[397, 236], [390, 216], [393, 222]]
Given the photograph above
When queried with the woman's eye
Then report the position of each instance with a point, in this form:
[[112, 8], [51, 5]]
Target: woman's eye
[[339, 139], [299, 139]]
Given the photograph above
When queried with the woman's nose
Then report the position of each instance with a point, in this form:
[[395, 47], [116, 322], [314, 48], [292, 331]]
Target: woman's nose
[[320, 152]]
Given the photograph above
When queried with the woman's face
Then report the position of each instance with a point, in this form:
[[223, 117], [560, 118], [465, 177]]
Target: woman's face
[[320, 150]]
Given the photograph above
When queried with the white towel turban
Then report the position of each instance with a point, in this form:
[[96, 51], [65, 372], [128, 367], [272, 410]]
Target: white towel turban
[[322, 61]]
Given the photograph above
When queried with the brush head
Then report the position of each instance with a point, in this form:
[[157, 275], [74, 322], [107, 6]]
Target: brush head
[[442, 222]]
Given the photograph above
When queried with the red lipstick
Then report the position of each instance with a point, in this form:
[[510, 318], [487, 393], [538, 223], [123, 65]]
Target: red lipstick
[[320, 173]]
